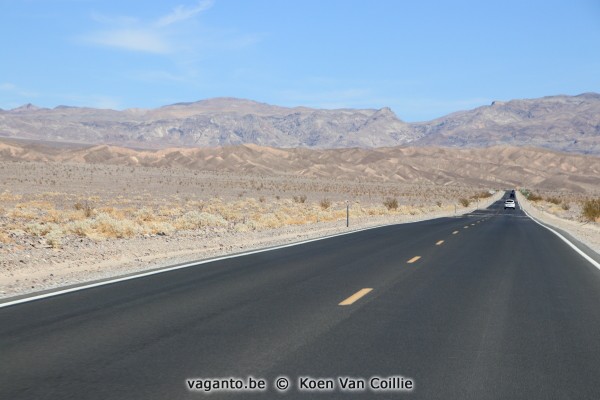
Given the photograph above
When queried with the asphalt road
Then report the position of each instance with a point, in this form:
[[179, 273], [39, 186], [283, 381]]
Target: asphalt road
[[501, 309]]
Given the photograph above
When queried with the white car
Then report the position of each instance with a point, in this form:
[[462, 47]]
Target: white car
[[510, 203]]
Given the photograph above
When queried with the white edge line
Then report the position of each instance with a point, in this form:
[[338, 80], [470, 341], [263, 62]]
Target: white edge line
[[567, 241], [187, 265]]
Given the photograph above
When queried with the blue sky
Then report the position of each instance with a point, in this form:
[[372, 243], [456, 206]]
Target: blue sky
[[423, 59]]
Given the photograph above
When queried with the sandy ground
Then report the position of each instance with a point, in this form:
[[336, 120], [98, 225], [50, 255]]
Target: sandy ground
[[28, 263], [586, 232]]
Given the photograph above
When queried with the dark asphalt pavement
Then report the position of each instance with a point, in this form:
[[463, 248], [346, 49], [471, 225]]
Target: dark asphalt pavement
[[503, 309]]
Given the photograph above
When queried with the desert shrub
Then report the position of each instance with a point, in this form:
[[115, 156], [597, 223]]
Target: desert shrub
[[391, 203], [81, 228], [534, 197], [590, 211], [107, 225], [88, 211], [170, 211], [565, 206], [160, 228], [261, 199], [86, 207], [20, 212], [54, 239], [196, 219], [53, 216], [246, 226], [464, 202], [482, 195], [268, 220], [144, 214], [376, 211], [300, 199], [37, 229], [553, 200], [438, 203], [325, 203]]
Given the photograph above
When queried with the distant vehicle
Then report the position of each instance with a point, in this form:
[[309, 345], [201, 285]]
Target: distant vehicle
[[512, 194], [509, 204]]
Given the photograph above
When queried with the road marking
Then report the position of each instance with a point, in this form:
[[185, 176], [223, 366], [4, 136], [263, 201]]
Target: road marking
[[412, 260], [466, 227], [32, 296], [472, 224], [455, 232], [567, 241], [355, 297], [440, 242]]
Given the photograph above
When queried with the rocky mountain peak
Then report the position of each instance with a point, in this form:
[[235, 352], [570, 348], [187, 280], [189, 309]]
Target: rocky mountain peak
[[25, 108]]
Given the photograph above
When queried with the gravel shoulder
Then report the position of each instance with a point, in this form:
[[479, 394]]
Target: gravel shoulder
[[587, 233]]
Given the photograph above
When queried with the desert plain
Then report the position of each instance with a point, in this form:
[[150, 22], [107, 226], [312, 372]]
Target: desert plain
[[77, 213]]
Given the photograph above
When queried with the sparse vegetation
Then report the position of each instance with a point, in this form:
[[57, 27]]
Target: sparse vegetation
[[481, 195], [87, 209], [166, 201], [325, 203], [534, 197], [391, 203], [54, 239], [464, 202], [590, 210], [300, 199], [553, 200]]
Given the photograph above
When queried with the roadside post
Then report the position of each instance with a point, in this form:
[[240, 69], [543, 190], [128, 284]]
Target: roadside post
[[347, 214]]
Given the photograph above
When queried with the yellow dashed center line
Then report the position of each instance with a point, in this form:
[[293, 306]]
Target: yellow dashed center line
[[440, 242], [455, 232], [355, 296], [412, 260]]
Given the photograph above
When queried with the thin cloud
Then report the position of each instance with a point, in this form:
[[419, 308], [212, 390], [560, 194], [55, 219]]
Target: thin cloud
[[130, 33], [135, 39], [8, 87], [181, 13]]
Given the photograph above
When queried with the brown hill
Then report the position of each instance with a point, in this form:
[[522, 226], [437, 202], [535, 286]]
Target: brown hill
[[499, 166]]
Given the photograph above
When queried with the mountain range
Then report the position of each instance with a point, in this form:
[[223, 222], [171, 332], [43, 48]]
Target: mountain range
[[563, 123]]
